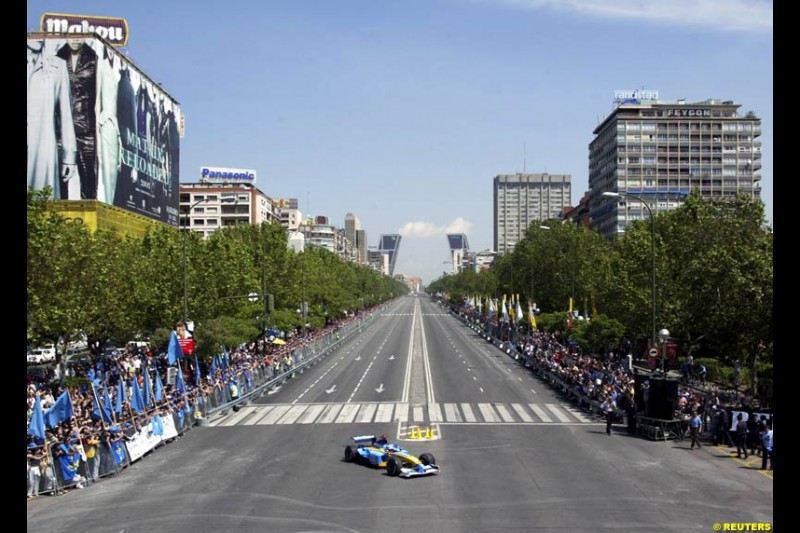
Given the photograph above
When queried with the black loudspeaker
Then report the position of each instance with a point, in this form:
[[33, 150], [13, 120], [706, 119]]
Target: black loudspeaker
[[663, 399]]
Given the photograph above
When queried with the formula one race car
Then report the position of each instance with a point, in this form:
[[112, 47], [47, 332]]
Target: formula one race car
[[380, 453]]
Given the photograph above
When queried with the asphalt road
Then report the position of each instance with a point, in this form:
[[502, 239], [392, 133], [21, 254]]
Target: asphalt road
[[514, 456]]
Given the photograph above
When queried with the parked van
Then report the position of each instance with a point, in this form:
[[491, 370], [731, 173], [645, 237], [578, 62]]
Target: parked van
[[135, 346], [43, 354]]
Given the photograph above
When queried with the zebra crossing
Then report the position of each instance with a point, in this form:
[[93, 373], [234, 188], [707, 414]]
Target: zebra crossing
[[405, 413]]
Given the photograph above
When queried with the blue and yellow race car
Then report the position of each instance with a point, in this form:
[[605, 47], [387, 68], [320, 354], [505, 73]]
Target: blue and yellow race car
[[378, 452]]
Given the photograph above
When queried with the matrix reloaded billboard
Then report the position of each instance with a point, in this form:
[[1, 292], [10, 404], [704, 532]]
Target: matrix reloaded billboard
[[98, 128]]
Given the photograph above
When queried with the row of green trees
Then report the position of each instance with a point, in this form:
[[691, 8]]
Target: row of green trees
[[108, 286], [713, 269]]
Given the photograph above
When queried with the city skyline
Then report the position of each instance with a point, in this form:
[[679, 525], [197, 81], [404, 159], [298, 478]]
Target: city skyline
[[404, 114]]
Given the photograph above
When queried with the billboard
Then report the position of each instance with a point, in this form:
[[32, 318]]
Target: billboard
[[285, 203], [227, 175], [100, 129], [112, 29]]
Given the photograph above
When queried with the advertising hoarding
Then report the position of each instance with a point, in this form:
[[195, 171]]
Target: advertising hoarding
[[112, 29], [227, 175], [99, 128]]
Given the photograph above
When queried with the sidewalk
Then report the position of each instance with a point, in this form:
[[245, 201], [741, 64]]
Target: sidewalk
[[723, 452]]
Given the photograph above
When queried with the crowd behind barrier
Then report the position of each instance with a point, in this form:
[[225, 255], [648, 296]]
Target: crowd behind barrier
[[108, 428], [591, 380]]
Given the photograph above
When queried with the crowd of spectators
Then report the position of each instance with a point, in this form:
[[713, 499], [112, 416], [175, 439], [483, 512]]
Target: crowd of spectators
[[72, 445], [597, 381]]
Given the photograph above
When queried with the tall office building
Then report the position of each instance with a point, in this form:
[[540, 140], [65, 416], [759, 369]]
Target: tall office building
[[356, 236], [459, 251], [520, 199], [389, 246], [659, 152]]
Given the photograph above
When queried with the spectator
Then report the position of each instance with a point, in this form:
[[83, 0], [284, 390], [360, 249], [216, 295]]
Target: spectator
[[35, 457], [741, 436], [608, 408], [91, 439], [766, 441], [695, 423]]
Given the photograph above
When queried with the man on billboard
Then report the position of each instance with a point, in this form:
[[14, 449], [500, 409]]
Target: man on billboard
[[52, 146], [82, 68]]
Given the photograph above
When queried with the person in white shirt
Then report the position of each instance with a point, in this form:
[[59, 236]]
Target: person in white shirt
[[608, 407]]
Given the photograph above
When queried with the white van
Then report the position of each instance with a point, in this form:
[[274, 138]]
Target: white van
[[43, 354], [135, 346]]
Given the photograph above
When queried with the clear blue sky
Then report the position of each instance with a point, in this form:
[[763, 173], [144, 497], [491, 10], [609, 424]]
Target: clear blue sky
[[403, 112]]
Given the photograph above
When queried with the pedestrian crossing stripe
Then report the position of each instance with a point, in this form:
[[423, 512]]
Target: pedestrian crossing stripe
[[405, 413]]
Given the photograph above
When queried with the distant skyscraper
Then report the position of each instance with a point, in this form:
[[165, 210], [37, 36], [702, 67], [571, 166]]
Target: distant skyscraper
[[520, 199], [660, 152], [356, 236], [459, 250], [390, 245]]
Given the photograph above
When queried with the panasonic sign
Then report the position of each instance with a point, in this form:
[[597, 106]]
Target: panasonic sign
[[226, 175]]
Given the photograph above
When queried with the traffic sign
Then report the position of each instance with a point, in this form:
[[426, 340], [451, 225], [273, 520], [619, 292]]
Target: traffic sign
[[653, 352]]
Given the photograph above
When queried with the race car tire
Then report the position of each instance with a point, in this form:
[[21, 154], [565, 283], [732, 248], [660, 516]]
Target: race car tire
[[350, 453], [427, 459], [394, 466]]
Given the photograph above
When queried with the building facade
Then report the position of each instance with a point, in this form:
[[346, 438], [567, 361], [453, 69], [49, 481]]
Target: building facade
[[390, 246], [659, 152], [520, 199], [459, 252], [356, 236], [206, 207]]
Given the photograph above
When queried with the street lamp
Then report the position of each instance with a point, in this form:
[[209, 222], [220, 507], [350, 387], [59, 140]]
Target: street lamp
[[652, 252], [185, 276], [663, 337]]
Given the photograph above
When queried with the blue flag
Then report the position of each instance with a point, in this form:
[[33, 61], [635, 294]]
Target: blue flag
[[226, 361], [101, 412], [107, 401], [120, 397], [197, 376], [157, 424], [60, 411], [147, 393], [174, 351], [70, 462], [118, 451], [36, 427], [137, 401], [213, 370], [179, 385], [159, 388]]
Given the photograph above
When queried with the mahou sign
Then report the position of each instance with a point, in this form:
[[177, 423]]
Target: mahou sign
[[112, 29]]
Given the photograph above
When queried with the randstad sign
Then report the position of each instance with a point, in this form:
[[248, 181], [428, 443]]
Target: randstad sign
[[112, 29], [226, 175]]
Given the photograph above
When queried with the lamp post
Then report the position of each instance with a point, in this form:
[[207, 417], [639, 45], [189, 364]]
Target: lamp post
[[185, 276], [652, 253], [663, 337]]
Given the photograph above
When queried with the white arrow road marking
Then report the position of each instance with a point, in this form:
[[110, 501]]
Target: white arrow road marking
[[391, 357], [331, 389], [380, 389]]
